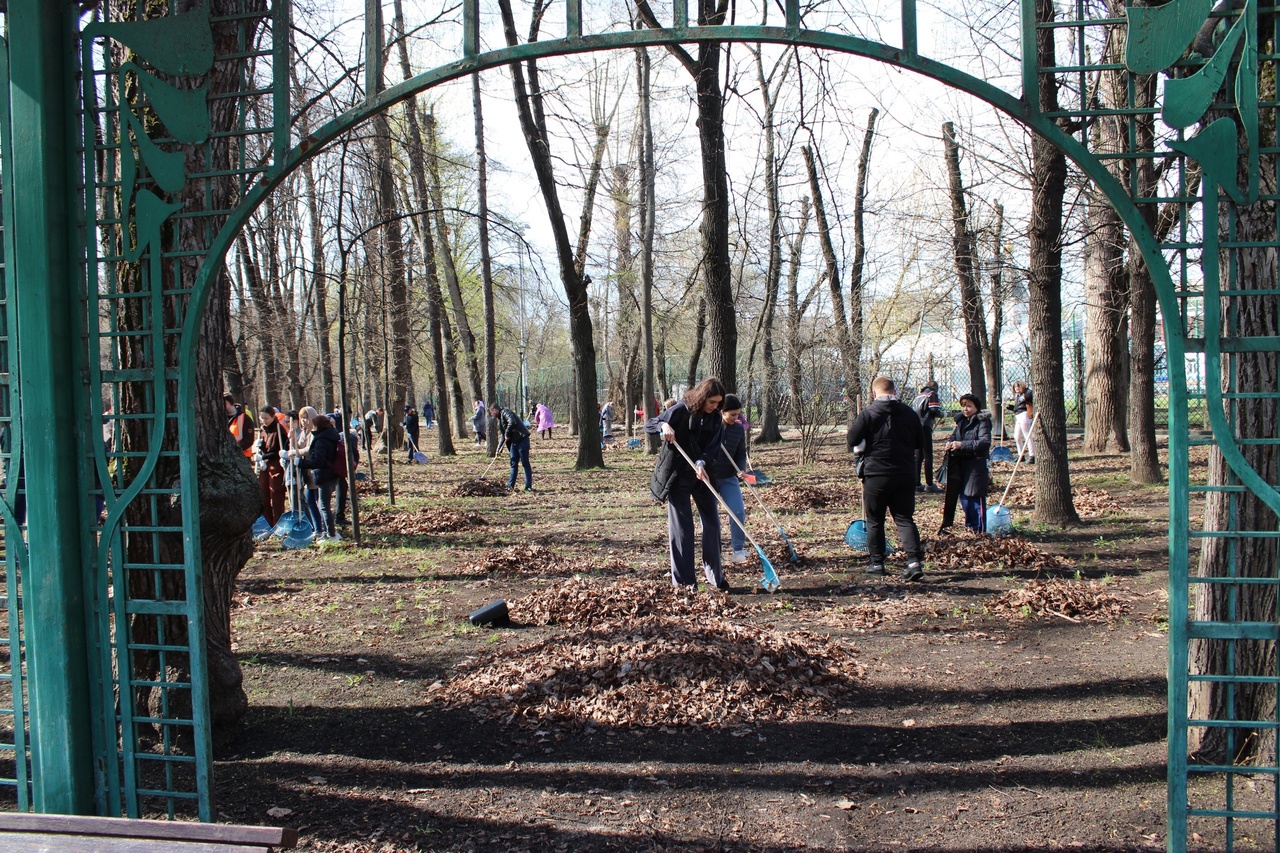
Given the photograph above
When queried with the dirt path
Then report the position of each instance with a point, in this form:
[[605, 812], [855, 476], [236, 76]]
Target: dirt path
[[971, 725]]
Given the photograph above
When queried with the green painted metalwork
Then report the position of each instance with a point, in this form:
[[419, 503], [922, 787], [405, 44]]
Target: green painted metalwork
[[134, 184], [15, 753], [52, 591]]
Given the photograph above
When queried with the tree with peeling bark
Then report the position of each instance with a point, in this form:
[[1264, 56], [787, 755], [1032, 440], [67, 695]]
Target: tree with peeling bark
[[648, 219], [529, 108], [486, 259]]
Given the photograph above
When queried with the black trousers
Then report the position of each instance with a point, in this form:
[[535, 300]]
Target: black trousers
[[897, 496], [680, 531], [924, 457]]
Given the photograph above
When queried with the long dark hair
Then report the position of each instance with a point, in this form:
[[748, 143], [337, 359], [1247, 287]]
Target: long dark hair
[[696, 397]]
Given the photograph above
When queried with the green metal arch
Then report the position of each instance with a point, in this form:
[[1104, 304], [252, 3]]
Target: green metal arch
[[1019, 109]]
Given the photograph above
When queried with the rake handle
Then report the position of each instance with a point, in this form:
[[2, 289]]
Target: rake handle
[[712, 488], [755, 493], [1018, 461]]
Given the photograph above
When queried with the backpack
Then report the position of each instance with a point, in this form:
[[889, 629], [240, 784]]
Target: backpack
[[339, 465], [921, 406]]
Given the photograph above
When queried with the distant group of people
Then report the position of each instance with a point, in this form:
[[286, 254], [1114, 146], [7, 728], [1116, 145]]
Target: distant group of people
[[302, 450]]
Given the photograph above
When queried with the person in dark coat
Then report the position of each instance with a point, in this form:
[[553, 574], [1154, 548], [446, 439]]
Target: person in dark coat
[[888, 434], [410, 424], [696, 425], [929, 407], [479, 419], [325, 441], [968, 474], [516, 436], [733, 453]]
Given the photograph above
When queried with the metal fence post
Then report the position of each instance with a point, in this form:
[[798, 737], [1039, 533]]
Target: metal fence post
[[62, 755]]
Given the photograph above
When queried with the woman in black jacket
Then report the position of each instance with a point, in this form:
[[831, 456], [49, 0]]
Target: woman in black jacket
[[324, 449], [968, 476], [696, 425]]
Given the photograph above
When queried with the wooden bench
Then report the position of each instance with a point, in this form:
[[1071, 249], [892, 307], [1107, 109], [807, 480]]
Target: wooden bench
[[52, 833]]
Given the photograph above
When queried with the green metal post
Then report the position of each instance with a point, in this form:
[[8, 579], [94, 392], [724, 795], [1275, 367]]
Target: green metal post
[[62, 753]]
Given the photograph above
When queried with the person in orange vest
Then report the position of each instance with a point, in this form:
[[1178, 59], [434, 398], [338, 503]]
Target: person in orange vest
[[240, 424]]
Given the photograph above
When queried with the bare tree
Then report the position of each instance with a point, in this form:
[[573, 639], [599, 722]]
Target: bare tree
[[529, 107], [962, 250]]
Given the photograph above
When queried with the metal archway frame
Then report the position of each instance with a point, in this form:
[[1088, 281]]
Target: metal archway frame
[[58, 657]]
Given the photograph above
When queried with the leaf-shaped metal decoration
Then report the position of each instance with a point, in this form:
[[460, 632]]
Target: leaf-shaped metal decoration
[[150, 212], [1158, 35], [1186, 99], [175, 44], [1214, 148], [166, 167], [185, 112]]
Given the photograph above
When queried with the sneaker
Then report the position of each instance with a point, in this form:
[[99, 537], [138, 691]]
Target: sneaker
[[875, 569], [738, 557], [934, 490], [528, 488], [913, 572], [322, 538], [336, 537], [722, 585], [920, 489]]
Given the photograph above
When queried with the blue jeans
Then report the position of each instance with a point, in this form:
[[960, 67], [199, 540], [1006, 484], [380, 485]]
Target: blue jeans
[[975, 512], [731, 491], [520, 453]]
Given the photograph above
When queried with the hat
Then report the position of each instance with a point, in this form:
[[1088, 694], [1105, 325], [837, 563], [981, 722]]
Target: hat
[[406, 408]]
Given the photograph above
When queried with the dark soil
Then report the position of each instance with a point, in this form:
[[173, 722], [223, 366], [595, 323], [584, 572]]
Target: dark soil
[[968, 730]]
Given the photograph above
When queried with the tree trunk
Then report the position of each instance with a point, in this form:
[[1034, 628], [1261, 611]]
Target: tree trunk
[[856, 272], [1105, 276], [991, 356], [529, 108], [486, 262], [849, 357], [1144, 459], [699, 340], [1044, 281], [445, 248], [393, 245], [796, 309], [648, 221], [962, 250], [319, 282]]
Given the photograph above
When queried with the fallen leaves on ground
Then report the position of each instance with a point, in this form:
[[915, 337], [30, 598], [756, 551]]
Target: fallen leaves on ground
[[1080, 601], [478, 489], [584, 601], [658, 671], [964, 550], [1089, 502], [425, 520], [542, 561], [797, 498]]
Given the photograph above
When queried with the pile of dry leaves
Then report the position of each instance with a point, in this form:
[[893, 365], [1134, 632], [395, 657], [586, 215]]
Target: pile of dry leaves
[[658, 671], [540, 560], [585, 601], [1089, 502], [425, 520], [798, 498], [1075, 601], [964, 550], [478, 489]]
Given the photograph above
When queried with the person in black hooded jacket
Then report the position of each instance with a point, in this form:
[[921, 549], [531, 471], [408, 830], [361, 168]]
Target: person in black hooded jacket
[[695, 424], [324, 448], [889, 434]]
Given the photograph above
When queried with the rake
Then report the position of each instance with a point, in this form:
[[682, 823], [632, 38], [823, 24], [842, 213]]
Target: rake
[[792, 556], [769, 580], [489, 467], [303, 532], [998, 514]]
